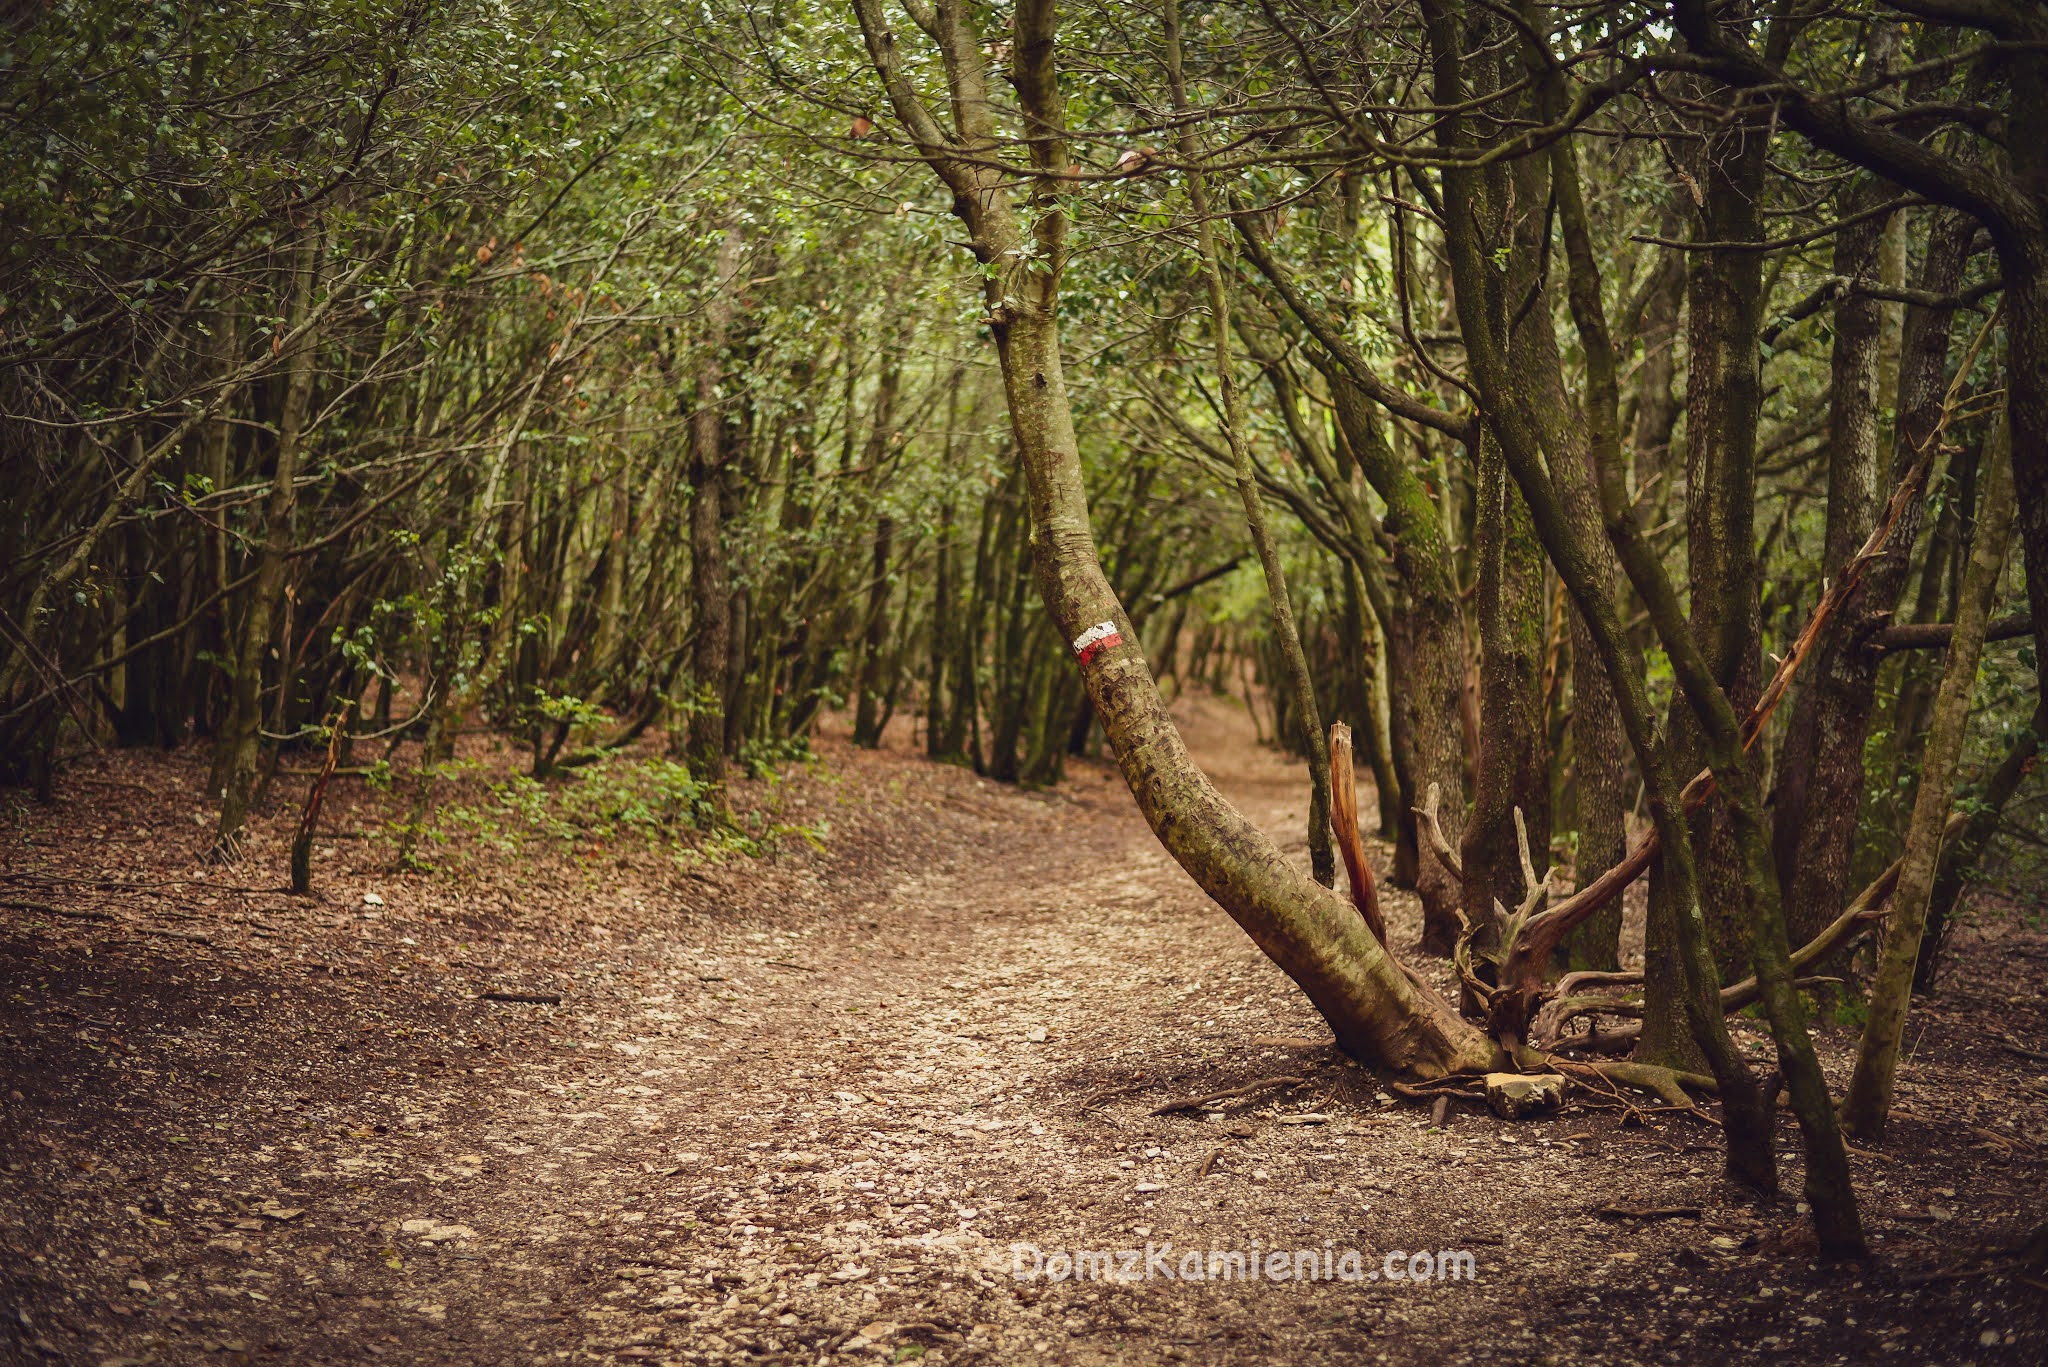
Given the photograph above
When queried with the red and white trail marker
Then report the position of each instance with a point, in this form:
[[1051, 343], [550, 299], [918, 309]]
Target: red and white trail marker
[[1098, 638]]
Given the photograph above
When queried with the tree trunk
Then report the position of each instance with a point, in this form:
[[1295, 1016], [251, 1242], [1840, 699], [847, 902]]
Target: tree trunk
[[944, 623], [606, 664], [1376, 1012], [1513, 770], [1426, 644], [1511, 397], [1821, 763], [1724, 397], [710, 581], [1959, 858], [1869, 1098], [217, 443], [243, 732], [1366, 686], [1012, 662], [2026, 313], [867, 724], [963, 733]]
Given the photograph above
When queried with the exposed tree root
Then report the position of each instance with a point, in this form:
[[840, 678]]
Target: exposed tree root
[[1666, 1084]]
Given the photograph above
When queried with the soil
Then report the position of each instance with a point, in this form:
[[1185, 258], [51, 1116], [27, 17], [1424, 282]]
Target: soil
[[798, 1105]]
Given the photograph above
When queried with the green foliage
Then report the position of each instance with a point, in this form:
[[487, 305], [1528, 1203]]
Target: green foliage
[[1847, 1009], [617, 800], [618, 805]]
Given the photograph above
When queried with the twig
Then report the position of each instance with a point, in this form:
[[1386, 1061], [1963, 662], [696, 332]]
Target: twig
[[1414, 1093], [1195, 1102], [44, 907], [2013, 1046], [1649, 1212], [530, 998], [1534, 889], [1431, 1086], [1096, 1098], [1549, 929]]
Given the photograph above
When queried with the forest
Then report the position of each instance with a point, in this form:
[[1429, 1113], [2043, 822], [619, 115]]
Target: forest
[[639, 643]]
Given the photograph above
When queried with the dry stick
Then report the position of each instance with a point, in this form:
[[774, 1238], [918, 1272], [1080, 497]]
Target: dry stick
[[1868, 906], [1668, 1084], [1509, 925], [1372, 921], [302, 841], [1559, 1011], [1432, 829], [1480, 990], [1195, 1102], [46, 909], [1102, 1094]]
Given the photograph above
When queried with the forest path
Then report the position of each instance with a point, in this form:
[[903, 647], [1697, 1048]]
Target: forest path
[[802, 1108]]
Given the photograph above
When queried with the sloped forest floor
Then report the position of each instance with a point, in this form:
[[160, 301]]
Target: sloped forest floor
[[797, 1107]]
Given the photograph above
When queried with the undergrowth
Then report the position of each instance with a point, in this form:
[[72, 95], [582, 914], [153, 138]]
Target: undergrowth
[[616, 805]]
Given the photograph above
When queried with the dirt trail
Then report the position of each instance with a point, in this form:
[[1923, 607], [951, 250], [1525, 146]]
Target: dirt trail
[[800, 1110]]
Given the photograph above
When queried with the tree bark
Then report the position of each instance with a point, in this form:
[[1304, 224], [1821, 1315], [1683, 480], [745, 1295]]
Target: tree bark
[[1822, 758], [867, 718], [869, 682], [1426, 638], [944, 622], [1823, 748], [1959, 858], [1366, 679], [1512, 772]]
